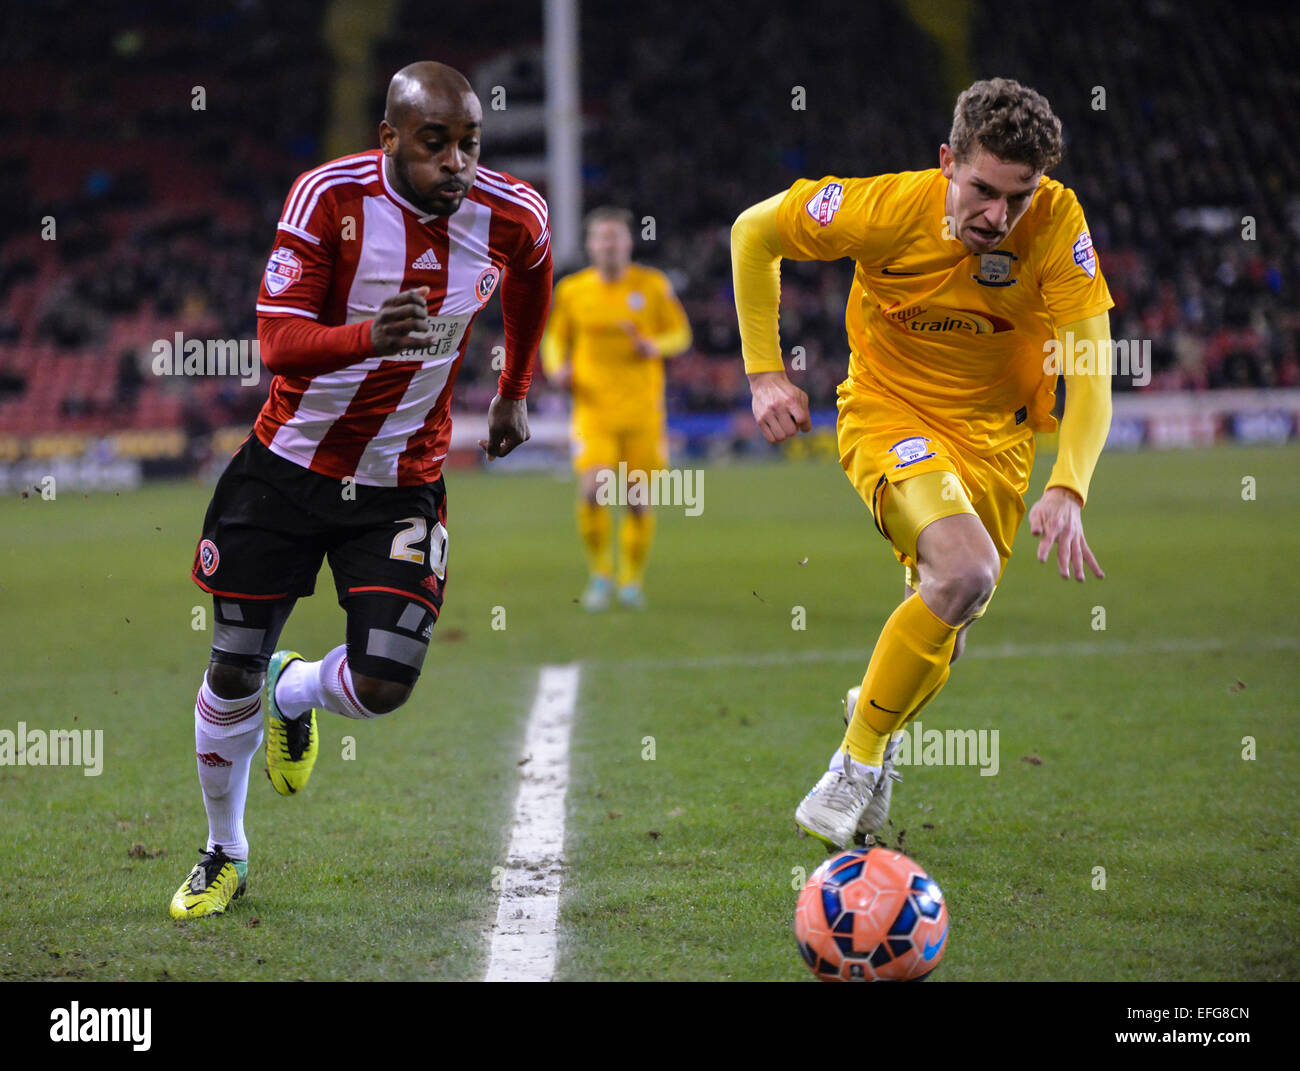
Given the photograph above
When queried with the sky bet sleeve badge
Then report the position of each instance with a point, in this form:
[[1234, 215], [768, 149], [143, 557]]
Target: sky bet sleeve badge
[[283, 269], [1084, 255], [823, 204]]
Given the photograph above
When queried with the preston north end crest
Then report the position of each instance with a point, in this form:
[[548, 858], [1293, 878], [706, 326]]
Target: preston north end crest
[[995, 269], [910, 451]]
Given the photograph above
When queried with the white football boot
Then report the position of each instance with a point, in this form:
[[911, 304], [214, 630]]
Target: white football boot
[[595, 599], [877, 813], [832, 810]]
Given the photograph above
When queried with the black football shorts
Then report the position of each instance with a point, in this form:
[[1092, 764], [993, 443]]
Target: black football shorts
[[272, 523]]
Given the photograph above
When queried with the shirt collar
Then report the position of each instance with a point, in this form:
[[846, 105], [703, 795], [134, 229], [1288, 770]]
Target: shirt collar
[[398, 198]]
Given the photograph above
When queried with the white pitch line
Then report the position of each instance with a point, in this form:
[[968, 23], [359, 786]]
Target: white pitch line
[[1173, 645], [526, 930]]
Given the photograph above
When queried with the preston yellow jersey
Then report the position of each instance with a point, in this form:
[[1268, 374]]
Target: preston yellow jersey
[[954, 335], [588, 328]]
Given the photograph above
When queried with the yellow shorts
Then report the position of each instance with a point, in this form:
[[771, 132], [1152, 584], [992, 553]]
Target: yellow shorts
[[597, 446], [883, 445]]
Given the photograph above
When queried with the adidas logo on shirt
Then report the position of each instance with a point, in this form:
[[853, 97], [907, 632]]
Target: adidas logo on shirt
[[427, 261]]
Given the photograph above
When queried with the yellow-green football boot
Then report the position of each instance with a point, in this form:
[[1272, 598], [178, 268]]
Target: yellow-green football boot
[[215, 880], [291, 743]]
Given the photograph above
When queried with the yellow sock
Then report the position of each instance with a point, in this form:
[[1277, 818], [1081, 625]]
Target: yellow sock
[[907, 669], [901, 727], [943, 679], [594, 527], [636, 533]]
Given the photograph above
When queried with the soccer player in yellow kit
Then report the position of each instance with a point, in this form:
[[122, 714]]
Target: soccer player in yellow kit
[[966, 278], [611, 326]]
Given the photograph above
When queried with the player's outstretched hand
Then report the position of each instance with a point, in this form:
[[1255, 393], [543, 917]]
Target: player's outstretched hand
[[507, 426], [780, 407], [1057, 518], [402, 323]]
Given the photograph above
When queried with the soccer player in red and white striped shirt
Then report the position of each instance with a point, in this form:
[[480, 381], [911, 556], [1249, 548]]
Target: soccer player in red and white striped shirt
[[380, 264]]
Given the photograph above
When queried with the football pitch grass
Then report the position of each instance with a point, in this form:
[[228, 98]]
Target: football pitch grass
[[1124, 835]]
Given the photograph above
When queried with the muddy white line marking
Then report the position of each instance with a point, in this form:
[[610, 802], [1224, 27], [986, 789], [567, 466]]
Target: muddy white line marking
[[524, 937]]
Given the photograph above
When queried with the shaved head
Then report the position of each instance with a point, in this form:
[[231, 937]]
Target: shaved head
[[430, 136], [418, 86]]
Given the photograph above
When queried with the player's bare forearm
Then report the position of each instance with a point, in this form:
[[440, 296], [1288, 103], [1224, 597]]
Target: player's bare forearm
[[780, 408], [507, 426], [1057, 518]]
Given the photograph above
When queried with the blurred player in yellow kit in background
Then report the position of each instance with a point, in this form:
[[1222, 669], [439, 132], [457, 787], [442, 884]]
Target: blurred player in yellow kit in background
[[611, 326]]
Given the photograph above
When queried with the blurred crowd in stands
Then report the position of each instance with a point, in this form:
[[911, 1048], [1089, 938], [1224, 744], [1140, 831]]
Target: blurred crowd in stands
[[165, 212]]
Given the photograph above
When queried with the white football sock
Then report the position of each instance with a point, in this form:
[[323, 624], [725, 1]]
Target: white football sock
[[327, 683], [860, 769], [227, 734], [297, 689]]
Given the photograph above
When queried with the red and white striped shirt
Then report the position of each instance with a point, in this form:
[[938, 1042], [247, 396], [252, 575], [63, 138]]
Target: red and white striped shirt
[[346, 241]]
